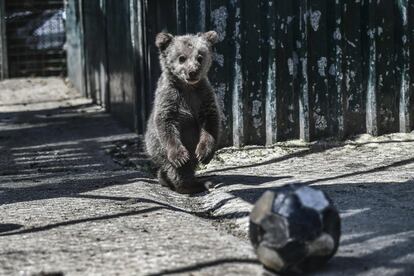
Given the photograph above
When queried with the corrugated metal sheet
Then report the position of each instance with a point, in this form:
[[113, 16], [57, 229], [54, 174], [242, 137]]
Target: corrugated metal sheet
[[283, 69]]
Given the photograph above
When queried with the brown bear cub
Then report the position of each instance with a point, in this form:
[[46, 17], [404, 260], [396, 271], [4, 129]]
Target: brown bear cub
[[183, 128]]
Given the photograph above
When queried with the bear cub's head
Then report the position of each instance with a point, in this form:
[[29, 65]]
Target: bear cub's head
[[188, 57]]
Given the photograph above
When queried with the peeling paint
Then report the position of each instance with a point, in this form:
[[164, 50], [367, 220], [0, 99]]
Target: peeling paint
[[350, 43], [380, 30], [359, 57], [332, 70], [292, 64], [337, 34], [322, 64], [221, 95], [314, 19], [219, 58], [371, 33], [257, 122], [272, 43], [256, 111], [219, 19], [348, 82], [402, 5], [320, 122], [256, 107]]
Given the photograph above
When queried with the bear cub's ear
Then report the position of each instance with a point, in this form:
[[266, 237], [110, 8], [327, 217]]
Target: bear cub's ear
[[163, 40], [211, 37]]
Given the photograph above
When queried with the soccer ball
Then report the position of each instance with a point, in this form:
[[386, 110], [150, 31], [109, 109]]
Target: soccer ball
[[296, 229]]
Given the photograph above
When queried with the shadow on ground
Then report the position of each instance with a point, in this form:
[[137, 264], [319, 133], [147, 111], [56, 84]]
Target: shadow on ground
[[56, 158], [53, 153], [199, 266]]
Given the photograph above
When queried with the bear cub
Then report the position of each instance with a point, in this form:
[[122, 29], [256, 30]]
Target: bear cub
[[184, 124]]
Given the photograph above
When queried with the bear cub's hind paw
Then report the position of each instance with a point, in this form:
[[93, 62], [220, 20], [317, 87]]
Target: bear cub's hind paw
[[205, 149]]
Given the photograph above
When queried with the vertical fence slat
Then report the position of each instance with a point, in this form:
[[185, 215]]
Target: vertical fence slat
[[122, 81], [75, 47], [103, 64], [353, 73], [371, 104], [3, 42], [196, 16], [222, 21], [139, 35], [402, 40], [388, 91], [304, 104], [253, 94], [271, 110], [410, 18], [155, 16], [285, 43], [95, 57], [135, 7], [181, 11], [318, 69], [334, 69], [237, 77]]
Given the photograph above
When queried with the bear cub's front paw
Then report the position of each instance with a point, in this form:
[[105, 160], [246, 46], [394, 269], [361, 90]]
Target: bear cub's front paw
[[178, 156], [205, 148]]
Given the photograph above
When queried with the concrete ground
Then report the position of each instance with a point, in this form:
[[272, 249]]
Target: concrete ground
[[77, 196]]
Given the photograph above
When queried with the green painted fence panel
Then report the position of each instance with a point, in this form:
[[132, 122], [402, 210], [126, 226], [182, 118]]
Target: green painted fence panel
[[307, 69]]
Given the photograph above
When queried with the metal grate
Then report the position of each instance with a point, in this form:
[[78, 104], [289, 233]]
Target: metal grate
[[35, 38]]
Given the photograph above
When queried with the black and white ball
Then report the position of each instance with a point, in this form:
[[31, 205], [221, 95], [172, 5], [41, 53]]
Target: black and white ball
[[296, 229]]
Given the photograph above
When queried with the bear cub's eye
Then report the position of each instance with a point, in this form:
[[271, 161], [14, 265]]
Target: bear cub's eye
[[200, 59], [182, 59]]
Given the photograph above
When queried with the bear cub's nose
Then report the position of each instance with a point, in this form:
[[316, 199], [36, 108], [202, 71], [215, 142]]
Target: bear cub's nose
[[193, 75]]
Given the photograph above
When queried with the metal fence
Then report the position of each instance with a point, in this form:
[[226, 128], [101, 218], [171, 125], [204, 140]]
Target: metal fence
[[32, 38], [284, 69]]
